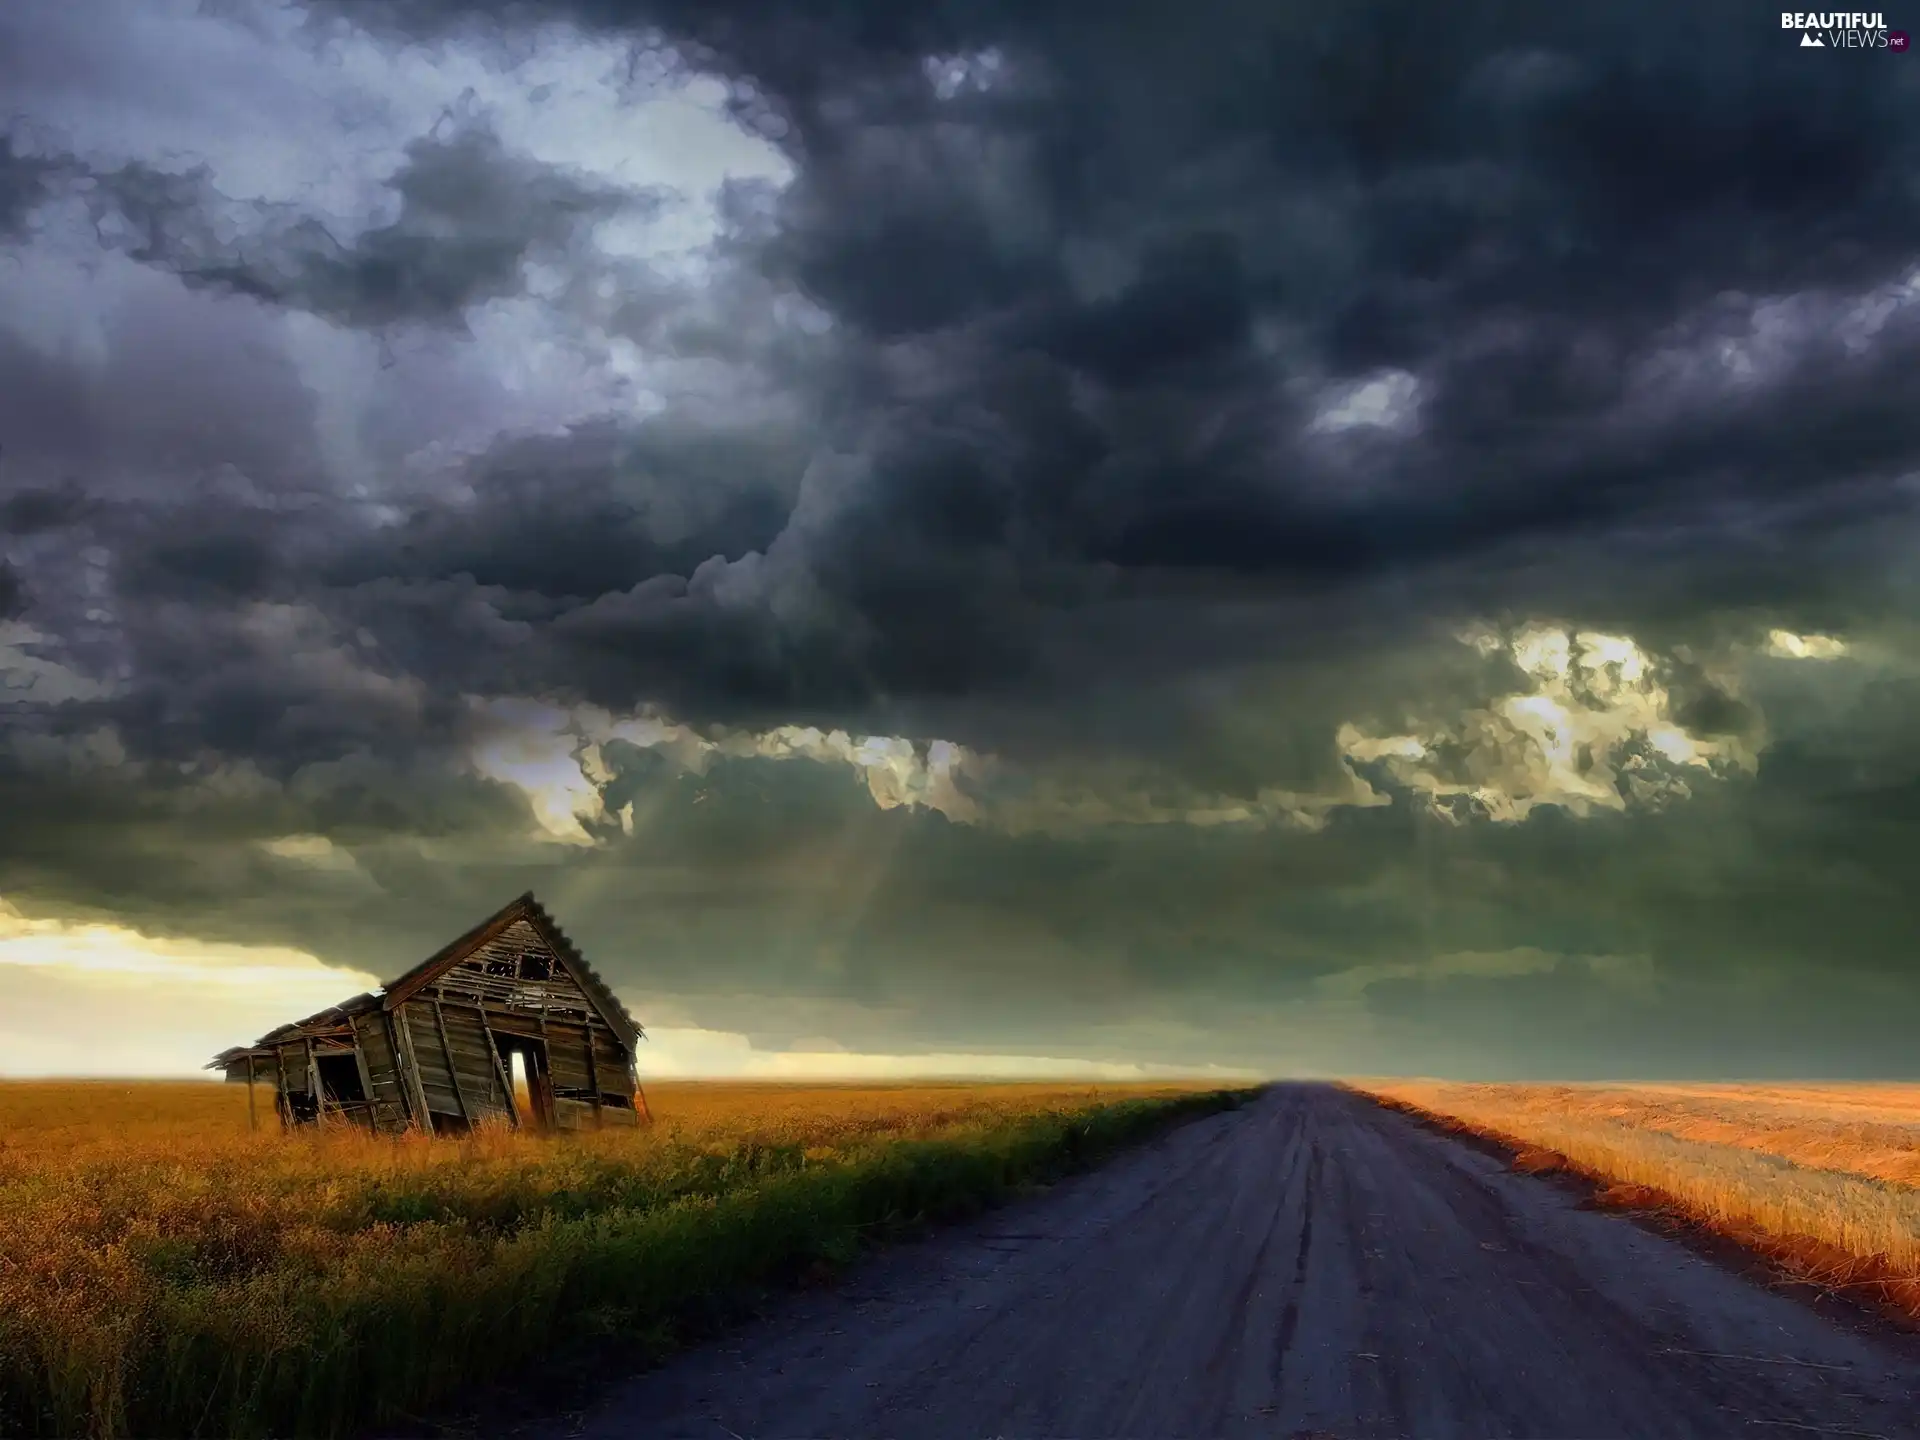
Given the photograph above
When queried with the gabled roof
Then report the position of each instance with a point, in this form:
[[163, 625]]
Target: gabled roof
[[524, 907]]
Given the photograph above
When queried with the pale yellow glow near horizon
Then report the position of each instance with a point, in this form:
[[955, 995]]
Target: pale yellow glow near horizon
[[97, 999], [677, 1053], [105, 999]]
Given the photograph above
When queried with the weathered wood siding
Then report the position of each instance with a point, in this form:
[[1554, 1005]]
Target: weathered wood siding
[[292, 1063], [477, 1063], [615, 1069], [491, 976], [390, 1109], [458, 1067], [574, 1114], [377, 1050], [488, 990], [436, 1077], [570, 1056]]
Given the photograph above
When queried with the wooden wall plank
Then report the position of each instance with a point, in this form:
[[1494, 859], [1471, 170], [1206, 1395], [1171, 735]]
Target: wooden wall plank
[[491, 975], [383, 1070], [568, 1057], [366, 1075], [572, 1114], [483, 1078], [426, 1044], [612, 1066], [418, 1108], [453, 1066]]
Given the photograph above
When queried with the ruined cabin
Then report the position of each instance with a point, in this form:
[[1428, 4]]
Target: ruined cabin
[[440, 1048]]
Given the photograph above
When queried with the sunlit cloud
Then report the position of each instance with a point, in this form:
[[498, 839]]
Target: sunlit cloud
[[1596, 731], [315, 852], [534, 748], [554, 756], [1788, 646]]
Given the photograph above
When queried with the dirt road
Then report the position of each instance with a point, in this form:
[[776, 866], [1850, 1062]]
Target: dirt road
[[1310, 1266]]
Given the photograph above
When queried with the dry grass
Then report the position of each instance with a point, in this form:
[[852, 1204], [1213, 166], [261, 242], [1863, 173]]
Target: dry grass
[[1822, 1179], [164, 1271]]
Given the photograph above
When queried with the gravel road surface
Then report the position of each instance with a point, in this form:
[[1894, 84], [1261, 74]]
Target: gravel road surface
[[1310, 1266]]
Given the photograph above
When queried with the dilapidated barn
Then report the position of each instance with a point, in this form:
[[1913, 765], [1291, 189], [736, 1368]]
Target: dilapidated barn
[[510, 1005]]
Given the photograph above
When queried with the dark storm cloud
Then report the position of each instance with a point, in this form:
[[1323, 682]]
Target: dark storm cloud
[[25, 182], [13, 593], [470, 216], [1094, 272], [28, 512], [1135, 397], [599, 510]]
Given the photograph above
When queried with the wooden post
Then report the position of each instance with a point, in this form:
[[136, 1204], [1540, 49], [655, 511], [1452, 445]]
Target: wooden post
[[282, 1106], [499, 1068], [453, 1068], [313, 1084], [540, 1086], [253, 1120], [640, 1093], [593, 1075], [366, 1081], [410, 1068]]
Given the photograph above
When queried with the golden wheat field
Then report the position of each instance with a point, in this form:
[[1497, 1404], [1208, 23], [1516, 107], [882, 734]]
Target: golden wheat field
[[166, 1270], [1823, 1179], [143, 1122]]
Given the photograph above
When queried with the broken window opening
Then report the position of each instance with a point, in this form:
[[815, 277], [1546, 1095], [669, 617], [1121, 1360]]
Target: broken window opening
[[536, 965], [340, 1079]]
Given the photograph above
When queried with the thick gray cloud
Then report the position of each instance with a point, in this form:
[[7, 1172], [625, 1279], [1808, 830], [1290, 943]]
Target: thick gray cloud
[[470, 219], [1203, 417]]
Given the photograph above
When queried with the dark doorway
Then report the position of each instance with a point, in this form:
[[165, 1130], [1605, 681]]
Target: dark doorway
[[299, 1107], [525, 1056], [340, 1079]]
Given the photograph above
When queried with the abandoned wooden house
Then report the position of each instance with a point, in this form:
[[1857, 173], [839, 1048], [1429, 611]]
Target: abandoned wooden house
[[509, 1006]]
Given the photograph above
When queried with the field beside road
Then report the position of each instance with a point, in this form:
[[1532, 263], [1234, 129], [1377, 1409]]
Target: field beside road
[[165, 1271], [1823, 1180]]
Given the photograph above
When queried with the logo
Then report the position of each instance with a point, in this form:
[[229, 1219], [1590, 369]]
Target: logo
[[1843, 30]]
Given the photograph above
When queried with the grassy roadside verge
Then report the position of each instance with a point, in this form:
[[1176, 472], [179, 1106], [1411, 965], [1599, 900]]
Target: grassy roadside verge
[[415, 1297], [1852, 1235]]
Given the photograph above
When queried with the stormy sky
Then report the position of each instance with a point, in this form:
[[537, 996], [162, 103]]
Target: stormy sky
[[1311, 538]]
